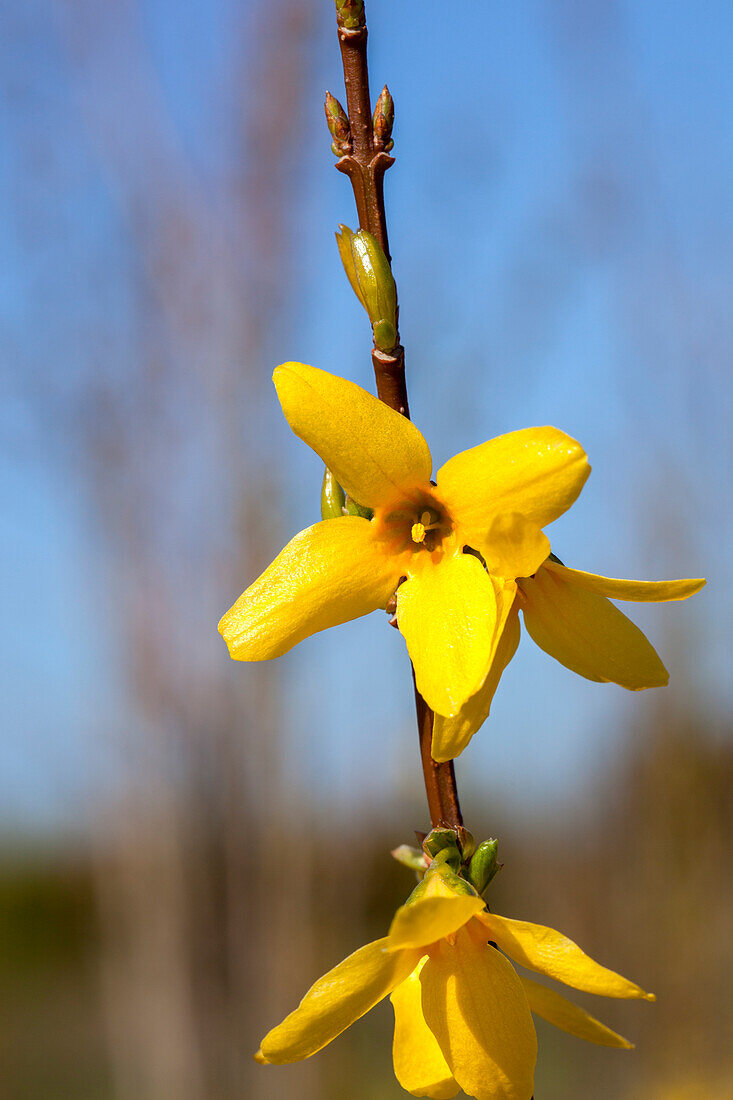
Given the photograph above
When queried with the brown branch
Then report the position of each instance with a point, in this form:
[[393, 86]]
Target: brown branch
[[365, 164]]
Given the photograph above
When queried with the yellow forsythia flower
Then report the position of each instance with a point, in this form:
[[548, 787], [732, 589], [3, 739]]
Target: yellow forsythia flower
[[463, 1016], [469, 551]]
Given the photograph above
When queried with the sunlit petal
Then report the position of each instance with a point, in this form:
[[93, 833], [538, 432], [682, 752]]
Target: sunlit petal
[[549, 952], [429, 919], [448, 614], [419, 1065], [561, 1012], [588, 634], [451, 735], [328, 574], [474, 1004], [536, 471], [337, 1000], [636, 591], [372, 451]]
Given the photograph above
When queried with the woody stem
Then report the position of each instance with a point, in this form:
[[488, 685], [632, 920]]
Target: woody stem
[[365, 166]]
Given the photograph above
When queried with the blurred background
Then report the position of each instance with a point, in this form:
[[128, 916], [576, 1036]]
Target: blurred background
[[185, 842]]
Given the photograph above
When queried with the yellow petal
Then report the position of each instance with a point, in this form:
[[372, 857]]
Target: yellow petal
[[372, 451], [514, 546], [451, 735], [429, 919], [561, 1012], [337, 1000], [587, 634], [475, 1006], [328, 574], [536, 471], [636, 591], [549, 952], [419, 1065], [448, 614]]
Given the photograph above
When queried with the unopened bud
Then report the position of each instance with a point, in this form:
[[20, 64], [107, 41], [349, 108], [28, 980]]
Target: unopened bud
[[383, 121], [370, 275], [333, 497], [484, 864], [350, 14], [338, 126]]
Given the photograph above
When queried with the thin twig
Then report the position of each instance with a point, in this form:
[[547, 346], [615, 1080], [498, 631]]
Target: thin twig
[[365, 163]]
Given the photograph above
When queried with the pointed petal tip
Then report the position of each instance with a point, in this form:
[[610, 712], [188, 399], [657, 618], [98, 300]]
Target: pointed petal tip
[[260, 1058]]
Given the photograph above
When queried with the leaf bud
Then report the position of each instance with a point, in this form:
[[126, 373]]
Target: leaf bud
[[338, 126], [484, 864], [350, 14], [333, 497], [383, 121], [370, 275]]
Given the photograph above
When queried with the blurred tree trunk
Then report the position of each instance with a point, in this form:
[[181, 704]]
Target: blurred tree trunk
[[200, 943]]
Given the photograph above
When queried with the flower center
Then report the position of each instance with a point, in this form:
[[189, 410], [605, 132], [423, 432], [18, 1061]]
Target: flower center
[[429, 521], [418, 521]]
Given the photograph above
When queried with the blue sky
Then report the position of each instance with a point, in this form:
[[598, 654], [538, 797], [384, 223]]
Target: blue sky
[[562, 234]]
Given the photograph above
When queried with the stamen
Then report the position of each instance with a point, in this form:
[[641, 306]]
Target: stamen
[[418, 532]]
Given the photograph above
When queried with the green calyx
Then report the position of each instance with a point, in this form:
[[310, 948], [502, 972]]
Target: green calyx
[[453, 854], [367, 269], [444, 866]]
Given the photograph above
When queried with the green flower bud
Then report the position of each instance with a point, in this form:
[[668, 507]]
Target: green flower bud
[[484, 864], [370, 275], [333, 497]]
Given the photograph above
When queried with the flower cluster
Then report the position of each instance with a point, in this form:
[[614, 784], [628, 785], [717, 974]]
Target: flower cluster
[[457, 559]]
